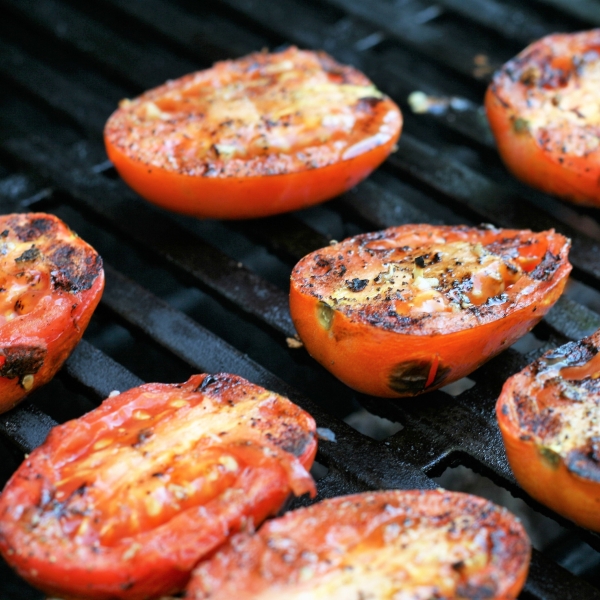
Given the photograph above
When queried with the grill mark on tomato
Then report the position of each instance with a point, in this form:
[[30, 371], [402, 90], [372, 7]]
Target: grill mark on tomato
[[21, 360], [28, 230], [76, 268]]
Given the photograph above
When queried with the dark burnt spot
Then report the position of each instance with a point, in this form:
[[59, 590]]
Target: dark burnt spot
[[356, 284], [546, 268], [4, 233], [322, 262], [207, 381], [470, 591], [585, 462], [27, 231], [76, 269], [368, 104], [409, 378], [21, 360], [341, 271], [420, 262], [572, 354], [143, 435], [29, 255]]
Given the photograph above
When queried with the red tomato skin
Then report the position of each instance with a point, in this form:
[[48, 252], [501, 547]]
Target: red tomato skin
[[246, 197], [364, 356], [278, 178], [73, 283], [322, 537], [154, 562], [524, 418], [529, 157]]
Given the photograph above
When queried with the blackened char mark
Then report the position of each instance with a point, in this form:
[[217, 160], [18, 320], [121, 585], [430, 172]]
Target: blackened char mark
[[409, 378], [76, 269], [479, 591], [546, 268], [368, 104], [21, 360], [572, 354], [585, 462], [27, 230], [28, 256]]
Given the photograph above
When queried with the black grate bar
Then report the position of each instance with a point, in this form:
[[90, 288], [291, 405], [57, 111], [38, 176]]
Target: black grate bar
[[511, 20], [582, 9], [74, 102], [121, 58]]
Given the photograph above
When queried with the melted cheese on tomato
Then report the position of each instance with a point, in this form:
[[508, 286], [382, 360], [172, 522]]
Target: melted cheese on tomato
[[564, 117], [24, 278], [441, 277], [154, 466], [287, 106], [415, 564], [570, 412]]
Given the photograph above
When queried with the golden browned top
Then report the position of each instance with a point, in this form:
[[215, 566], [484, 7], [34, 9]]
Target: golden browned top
[[262, 114]]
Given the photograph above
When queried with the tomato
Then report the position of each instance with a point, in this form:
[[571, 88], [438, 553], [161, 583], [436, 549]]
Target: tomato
[[408, 309], [544, 113], [124, 501], [50, 284], [256, 136], [394, 544], [549, 416]]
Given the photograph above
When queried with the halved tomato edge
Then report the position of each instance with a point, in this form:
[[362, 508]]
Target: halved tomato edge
[[245, 197]]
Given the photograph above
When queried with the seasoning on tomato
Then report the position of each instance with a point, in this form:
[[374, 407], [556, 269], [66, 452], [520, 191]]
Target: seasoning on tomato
[[394, 544], [124, 501], [252, 137], [50, 284], [544, 112], [549, 416], [412, 308]]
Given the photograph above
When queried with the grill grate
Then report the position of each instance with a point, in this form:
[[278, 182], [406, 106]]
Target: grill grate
[[195, 296]]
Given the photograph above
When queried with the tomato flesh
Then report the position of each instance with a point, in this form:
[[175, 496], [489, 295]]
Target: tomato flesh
[[260, 135], [50, 283], [124, 501], [549, 416], [408, 544], [543, 110], [412, 308]]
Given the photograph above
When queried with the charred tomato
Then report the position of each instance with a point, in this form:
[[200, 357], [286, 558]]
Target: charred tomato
[[50, 284], [412, 308], [549, 416], [543, 110], [256, 136], [124, 501], [408, 544]]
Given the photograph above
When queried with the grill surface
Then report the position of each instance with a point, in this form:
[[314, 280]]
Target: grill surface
[[186, 296]]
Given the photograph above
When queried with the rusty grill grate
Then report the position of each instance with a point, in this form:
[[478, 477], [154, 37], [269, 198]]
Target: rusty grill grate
[[185, 296]]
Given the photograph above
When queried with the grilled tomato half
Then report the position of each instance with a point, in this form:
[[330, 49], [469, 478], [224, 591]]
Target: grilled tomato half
[[412, 308], [544, 112], [50, 283], [549, 416], [256, 136], [395, 544], [124, 501]]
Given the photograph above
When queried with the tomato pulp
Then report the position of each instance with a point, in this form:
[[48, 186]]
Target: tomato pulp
[[50, 283], [380, 545], [543, 110], [406, 310], [124, 501], [252, 137], [549, 416]]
